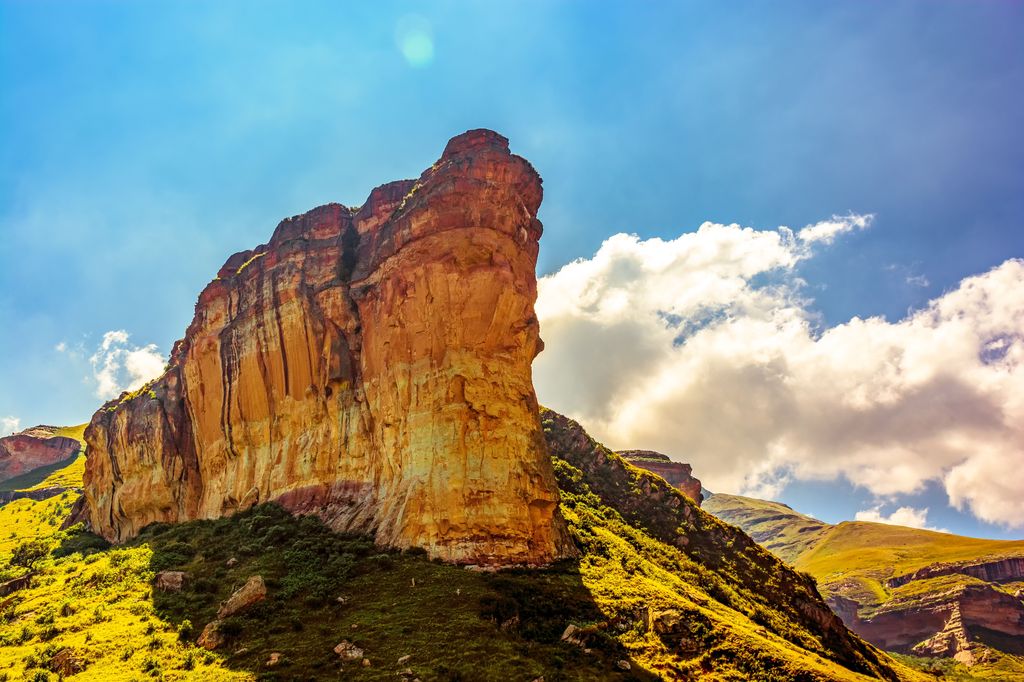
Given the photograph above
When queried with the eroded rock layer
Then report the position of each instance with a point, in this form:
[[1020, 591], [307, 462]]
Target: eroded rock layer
[[680, 475], [32, 448], [369, 365]]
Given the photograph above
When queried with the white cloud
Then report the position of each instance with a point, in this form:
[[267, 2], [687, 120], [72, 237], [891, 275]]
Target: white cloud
[[9, 425], [61, 347], [826, 231], [904, 516], [703, 347], [119, 366]]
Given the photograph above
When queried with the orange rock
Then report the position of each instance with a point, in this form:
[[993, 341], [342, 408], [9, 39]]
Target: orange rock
[[368, 365], [33, 448], [677, 474]]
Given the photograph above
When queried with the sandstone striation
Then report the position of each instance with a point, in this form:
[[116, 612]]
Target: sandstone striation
[[33, 448], [955, 621], [679, 475], [370, 365]]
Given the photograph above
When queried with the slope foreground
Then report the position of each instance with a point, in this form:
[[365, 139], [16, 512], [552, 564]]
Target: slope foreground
[[660, 590], [904, 589]]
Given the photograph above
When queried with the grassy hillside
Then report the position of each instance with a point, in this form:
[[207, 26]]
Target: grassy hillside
[[684, 609], [775, 526], [854, 560], [872, 552]]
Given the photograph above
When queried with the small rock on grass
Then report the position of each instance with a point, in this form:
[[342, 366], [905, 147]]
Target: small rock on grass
[[348, 651]]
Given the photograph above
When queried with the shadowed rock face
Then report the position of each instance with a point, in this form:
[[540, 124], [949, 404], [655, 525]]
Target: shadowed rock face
[[33, 448], [678, 474], [368, 365]]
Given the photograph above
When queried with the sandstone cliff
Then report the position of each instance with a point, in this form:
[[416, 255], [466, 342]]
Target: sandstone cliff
[[33, 448], [678, 474], [370, 365]]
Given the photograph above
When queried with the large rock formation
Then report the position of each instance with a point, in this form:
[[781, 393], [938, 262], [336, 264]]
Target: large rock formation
[[680, 475], [33, 448], [370, 365]]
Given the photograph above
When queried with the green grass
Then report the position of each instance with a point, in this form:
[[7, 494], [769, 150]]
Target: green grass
[[713, 607], [855, 559], [1002, 669], [783, 531], [874, 552], [44, 476]]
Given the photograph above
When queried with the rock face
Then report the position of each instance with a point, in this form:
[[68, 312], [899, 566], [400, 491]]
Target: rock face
[[678, 474], [996, 570], [370, 365], [34, 448], [958, 622]]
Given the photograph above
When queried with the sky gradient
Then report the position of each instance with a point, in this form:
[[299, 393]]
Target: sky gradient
[[143, 143]]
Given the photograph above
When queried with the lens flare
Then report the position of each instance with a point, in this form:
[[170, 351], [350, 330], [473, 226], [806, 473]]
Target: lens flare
[[415, 40]]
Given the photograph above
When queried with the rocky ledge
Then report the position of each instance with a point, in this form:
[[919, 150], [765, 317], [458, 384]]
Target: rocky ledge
[[33, 448], [958, 621], [370, 365], [679, 475]]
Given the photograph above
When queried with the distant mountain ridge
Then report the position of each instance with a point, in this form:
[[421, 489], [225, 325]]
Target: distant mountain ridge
[[35, 447], [903, 589]]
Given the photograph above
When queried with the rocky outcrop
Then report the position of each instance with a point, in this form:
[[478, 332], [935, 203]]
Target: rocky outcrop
[[170, 581], [38, 494], [15, 584], [33, 448], [993, 571], [369, 365], [253, 591], [676, 473], [956, 622]]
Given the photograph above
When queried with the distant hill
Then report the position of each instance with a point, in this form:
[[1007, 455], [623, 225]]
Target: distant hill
[[36, 449], [779, 528], [904, 589]]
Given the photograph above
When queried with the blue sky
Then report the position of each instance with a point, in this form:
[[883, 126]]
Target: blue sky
[[143, 143]]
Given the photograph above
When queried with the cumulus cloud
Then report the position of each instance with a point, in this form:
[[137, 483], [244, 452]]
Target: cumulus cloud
[[705, 347], [118, 365], [9, 425], [903, 516]]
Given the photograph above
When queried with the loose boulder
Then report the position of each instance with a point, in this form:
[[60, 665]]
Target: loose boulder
[[254, 590], [170, 581], [348, 651]]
